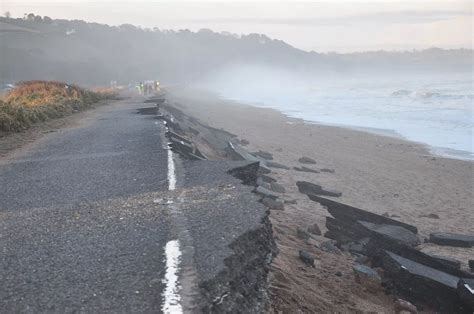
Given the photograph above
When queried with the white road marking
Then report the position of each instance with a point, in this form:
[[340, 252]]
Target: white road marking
[[469, 288], [171, 171], [171, 296]]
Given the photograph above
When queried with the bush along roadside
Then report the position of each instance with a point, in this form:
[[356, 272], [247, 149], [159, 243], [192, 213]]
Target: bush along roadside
[[37, 101]]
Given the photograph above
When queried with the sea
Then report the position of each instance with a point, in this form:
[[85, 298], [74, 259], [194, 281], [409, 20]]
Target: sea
[[435, 110]]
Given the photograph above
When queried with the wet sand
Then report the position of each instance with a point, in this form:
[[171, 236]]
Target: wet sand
[[385, 175]]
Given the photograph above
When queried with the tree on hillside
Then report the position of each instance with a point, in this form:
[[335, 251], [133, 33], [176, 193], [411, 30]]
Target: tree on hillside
[[7, 14], [47, 20]]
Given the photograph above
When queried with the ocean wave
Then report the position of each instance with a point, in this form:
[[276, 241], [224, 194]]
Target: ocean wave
[[401, 92], [429, 94]]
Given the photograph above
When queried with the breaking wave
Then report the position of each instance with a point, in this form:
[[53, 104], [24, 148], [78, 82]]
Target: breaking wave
[[430, 94], [435, 111]]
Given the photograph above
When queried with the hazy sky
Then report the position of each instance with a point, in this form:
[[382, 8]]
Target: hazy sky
[[343, 26]]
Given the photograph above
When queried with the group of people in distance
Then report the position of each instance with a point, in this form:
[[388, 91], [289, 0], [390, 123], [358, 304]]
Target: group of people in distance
[[148, 87]]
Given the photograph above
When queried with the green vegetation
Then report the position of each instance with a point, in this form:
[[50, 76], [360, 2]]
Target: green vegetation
[[36, 101]]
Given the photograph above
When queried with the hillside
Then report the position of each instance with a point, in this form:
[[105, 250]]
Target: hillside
[[91, 53]]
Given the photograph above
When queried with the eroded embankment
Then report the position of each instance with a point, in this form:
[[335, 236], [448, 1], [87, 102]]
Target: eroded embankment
[[230, 229], [331, 279]]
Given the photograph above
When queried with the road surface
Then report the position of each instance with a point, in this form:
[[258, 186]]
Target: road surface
[[78, 227], [102, 217]]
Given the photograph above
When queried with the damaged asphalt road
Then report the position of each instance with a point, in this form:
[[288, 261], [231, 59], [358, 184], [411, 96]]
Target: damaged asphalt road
[[84, 223], [77, 229]]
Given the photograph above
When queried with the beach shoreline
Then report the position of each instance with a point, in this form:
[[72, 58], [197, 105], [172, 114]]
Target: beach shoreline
[[442, 152], [385, 175]]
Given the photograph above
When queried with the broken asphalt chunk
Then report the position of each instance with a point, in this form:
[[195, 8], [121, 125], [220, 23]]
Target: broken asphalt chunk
[[349, 214], [314, 229], [402, 305], [263, 154], [273, 203], [302, 234], [265, 192], [466, 292], [306, 257], [276, 187], [306, 160], [263, 170], [265, 185], [267, 179], [305, 169], [244, 142], [344, 231], [327, 170], [367, 277], [238, 153], [273, 164], [392, 233], [433, 216], [452, 239], [437, 288], [448, 261], [315, 189], [172, 135], [148, 110], [356, 248], [328, 246], [247, 173], [376, 248]]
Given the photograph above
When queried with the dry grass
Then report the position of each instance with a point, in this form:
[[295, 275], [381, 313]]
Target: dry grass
[[36, 101]]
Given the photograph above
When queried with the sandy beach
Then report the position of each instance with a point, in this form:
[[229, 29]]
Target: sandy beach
[[385, 175]]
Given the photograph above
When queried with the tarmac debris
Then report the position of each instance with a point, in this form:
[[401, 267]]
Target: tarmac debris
[[434, 216], [315, 189], [307, 160], [327, 170], [273, 164], [452, 239], [276, 187], [263, 154], [367, 277], [273, 203], [302, 234], [305, 169], [306, 257], [314, 229], [404, 306], [329, 246]]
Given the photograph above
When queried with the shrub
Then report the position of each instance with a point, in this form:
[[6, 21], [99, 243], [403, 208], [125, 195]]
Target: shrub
[[36, 101]]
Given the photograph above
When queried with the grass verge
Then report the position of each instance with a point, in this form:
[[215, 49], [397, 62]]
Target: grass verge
[[38, 101]]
